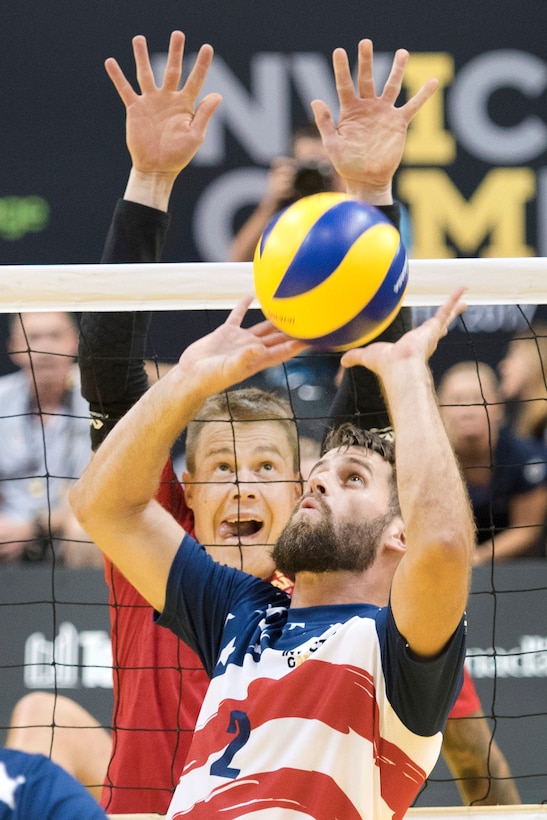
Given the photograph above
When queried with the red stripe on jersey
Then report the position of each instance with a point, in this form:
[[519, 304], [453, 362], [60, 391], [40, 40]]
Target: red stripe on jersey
[[302, 694], [314, 793]]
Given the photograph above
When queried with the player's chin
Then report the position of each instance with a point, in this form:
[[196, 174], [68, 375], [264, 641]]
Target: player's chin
[[250, 543], [307, 514]]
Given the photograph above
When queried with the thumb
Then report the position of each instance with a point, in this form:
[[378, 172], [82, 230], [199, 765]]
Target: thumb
[[323, 119], [205, 111], [364, 356]]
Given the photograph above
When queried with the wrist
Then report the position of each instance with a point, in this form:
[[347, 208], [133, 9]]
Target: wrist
[[150, 188], [373, 194], [185, 380], [408, 376]]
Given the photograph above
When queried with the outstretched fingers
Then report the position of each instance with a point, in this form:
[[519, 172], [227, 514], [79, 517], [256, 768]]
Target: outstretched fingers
[[173, 67], [198, 74], [120, 82], [394, 82], [448, 311], [145, 75], [343, 78], [204, 112], [365, 73], [264, 332], [413, 105], [270, 336], [238, 313], [323, 120]]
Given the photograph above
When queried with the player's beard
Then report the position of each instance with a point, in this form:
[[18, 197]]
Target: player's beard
[[318, 544]]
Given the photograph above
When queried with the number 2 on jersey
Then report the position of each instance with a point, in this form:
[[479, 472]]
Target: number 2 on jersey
[[239, 722]]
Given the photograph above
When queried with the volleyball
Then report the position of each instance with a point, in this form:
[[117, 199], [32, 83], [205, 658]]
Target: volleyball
[[330, 270]]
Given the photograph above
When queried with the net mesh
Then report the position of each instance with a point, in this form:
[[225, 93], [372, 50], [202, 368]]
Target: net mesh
[[57, 604]]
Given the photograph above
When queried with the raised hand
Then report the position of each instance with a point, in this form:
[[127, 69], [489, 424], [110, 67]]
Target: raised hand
[[420, 342], [165, 126], [232, 353], [366, 146]]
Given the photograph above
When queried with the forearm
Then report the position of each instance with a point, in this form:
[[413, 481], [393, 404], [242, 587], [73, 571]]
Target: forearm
[[111, 360], [112, 345], [244, 243], [136, 234], [508, 544], [114, 500], [431, 584], [432, 493], [359, 398]]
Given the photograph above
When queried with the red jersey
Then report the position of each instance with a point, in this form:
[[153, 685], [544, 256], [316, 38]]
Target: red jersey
[[159, 684], [468, 700]]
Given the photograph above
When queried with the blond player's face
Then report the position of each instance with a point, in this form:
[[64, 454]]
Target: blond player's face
[[241, 504]]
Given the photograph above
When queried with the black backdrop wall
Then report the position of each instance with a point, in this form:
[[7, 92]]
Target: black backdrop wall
[[474, 175]]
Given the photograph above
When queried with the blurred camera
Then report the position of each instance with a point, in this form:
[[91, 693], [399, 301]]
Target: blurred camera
[[312, 178]]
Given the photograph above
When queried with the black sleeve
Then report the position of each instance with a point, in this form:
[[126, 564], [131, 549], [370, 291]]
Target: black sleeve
[[136, 234], [112, 345], [359, 398]]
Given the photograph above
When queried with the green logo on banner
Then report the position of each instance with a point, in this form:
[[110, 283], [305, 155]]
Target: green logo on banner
[[20, 215]]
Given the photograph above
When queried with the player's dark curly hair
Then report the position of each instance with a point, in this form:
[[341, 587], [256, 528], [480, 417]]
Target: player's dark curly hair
[[381, 442]]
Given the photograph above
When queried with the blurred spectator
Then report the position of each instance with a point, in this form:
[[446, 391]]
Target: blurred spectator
[[523, 382], [307, 171], [482, 333], [505, 475], [44, 430]]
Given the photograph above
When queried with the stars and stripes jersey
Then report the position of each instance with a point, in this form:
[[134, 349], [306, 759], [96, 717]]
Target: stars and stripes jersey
[[311, 712]]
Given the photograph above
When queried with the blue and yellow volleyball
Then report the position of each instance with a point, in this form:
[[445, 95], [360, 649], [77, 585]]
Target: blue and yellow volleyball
[[330, 270]]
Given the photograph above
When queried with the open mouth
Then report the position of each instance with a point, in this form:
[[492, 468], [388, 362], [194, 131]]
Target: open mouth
[[240, 527]]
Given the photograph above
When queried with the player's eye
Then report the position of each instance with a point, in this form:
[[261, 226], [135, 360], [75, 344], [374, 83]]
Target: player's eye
[[355, 478]]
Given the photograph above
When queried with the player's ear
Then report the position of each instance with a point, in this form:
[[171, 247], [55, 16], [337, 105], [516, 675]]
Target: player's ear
[[395, 537], [188, 488]]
